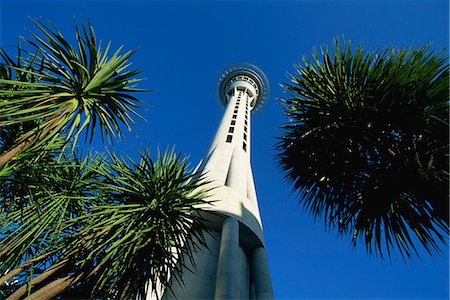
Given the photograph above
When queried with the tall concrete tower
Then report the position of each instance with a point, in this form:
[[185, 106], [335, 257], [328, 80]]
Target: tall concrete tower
[[235, 264]]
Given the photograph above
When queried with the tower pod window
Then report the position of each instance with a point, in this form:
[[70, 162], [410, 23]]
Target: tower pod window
[[233, 122], [234, 116], [245, 136], [244, 146], [235, 111], [229, 138], [231, 130]]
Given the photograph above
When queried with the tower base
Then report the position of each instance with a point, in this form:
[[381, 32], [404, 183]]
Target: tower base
[[227, 269]]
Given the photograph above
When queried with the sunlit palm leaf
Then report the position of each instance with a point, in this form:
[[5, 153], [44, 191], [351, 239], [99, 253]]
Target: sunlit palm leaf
[[38, 200], [74, 89], [151, 224]]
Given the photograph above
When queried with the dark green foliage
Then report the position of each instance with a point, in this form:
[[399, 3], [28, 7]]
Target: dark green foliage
[[37, 200], [116, 223], [147, 224], [75, 225], [366, 144]]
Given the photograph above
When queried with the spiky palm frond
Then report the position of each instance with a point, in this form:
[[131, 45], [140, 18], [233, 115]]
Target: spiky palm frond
[[13, 70], [366, 144], [150, 226], [38, 200], [116, 225], [67, 89]]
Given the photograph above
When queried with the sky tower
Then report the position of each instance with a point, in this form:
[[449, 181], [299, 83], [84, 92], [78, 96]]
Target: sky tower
[[235, 265]]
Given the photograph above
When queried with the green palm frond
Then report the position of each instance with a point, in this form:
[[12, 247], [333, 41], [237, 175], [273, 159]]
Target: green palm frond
[[14, 70], [36, 202], [366, 144], [68, 89], [151, 224]]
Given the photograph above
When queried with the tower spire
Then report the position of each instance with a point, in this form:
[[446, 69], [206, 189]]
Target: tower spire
[[235, 264]]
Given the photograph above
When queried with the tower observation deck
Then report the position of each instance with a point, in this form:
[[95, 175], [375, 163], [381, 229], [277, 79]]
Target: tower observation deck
[[246, 77], [235, 264]]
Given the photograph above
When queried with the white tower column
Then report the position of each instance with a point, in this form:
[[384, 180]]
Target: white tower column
[[234, 265], [227, 268], [260, 272]]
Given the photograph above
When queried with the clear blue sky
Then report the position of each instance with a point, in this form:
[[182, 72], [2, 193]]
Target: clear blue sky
[[184, 45]]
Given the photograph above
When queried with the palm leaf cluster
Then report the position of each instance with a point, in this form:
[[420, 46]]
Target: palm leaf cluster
[[58, 88], [149, 222], [110, 225], [84, 226], [366, 144]]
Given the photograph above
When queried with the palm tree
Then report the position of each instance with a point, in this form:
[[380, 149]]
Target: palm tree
[[109, 226], [64, 89], [365, 144]]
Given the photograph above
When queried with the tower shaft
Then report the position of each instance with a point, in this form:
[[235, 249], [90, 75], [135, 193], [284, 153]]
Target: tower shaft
[[235, 264], [228, 163]]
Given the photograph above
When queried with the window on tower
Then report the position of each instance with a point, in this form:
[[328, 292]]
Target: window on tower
[[229, 138], [233, 122], [244, 146], [234, 116], [231, 130]]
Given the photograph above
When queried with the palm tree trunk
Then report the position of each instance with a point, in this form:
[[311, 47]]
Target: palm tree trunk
[[20, 268], [22, 290], [9, 155], [54, 288]]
